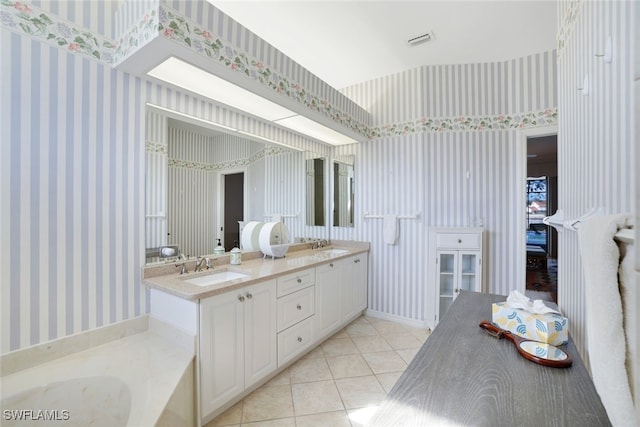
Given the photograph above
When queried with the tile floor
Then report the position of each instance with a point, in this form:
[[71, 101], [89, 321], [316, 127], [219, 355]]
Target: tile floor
[[339, 383]]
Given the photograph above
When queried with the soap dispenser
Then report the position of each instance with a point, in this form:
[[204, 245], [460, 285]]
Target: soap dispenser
[[236, 254], [219, 250]]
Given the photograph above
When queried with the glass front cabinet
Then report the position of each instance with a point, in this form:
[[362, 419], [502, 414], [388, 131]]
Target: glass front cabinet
[[457, 263]]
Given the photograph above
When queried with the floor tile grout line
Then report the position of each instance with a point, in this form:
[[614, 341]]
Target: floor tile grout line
[[323, 355]]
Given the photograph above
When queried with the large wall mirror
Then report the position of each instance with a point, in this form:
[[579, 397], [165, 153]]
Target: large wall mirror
[[316, 178], [201, 180], [343, 190]]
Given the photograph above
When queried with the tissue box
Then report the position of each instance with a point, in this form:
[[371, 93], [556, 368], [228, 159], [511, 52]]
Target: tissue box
[[549, 328]]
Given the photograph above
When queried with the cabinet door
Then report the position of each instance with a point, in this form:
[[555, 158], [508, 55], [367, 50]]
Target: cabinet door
[[260, 357], [328, 298], [446, 280], [362, 281], [221, 350], [354, 286], [470, 271]]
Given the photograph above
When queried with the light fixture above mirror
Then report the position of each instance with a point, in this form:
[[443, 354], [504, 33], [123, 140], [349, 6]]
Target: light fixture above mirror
[[194, 79]]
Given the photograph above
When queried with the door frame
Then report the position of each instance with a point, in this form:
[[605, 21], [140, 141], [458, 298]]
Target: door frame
[[220, 207], [521, 265]]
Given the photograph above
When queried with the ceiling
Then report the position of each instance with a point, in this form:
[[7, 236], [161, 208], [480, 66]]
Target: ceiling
[[349, 42]]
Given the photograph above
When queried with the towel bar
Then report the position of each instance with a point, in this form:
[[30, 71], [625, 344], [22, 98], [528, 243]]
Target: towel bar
[[416, 216], [283, 216]]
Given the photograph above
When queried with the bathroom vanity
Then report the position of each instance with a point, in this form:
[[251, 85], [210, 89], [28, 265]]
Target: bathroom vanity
[[267, 315]]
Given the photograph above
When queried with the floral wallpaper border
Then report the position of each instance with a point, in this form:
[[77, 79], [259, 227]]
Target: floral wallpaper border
[[136, 37], [212, 167], [33, 22], [570, 17], [155, 147], [545, 117], [184, 31]]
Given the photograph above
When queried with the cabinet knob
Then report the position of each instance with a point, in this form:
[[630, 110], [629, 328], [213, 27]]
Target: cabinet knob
[[241, 298], [299, 307], [356, 260], [249, 296], [459, 240], [299, 339], [331, 265], [299, 280]]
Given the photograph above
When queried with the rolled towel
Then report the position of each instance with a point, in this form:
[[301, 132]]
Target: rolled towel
[[390, 229]]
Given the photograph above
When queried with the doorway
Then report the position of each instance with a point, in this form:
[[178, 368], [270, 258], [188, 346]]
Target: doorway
[[233, 208], [542, 199]]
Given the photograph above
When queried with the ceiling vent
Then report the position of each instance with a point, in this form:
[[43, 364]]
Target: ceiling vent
[[421, 39]]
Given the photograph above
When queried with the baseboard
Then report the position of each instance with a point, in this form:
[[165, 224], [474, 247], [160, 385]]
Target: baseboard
[[422, 324]]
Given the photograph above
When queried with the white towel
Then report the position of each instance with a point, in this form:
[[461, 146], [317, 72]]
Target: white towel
[[605, 334], [390, 229]]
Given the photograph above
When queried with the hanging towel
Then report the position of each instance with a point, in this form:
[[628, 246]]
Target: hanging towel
[[603, 309], [390, 229]]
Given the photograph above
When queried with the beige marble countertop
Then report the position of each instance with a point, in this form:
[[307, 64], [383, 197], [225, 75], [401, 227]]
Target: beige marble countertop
[[257, 270]]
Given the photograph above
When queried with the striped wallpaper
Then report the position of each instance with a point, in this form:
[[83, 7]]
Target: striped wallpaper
[[73, 179], [95, 15], [451, 178], [206, 15], [595, 136], [75, 182], [427, 173], [516, 86]]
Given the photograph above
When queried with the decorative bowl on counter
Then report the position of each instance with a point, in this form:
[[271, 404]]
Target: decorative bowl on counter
[[274, 239]]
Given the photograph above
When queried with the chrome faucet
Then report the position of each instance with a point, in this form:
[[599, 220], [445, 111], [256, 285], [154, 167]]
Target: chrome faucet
[[183, 267], [202, 262], [183, 264]]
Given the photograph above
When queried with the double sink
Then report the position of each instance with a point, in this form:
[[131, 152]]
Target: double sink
[[227, 275]]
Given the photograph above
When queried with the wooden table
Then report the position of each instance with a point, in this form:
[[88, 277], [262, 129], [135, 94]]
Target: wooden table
[[463, 376]]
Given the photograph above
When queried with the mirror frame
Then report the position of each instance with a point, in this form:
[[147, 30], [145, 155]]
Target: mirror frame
[[325, 193], [350, 191]]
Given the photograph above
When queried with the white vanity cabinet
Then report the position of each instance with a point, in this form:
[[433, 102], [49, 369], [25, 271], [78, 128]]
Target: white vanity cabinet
[[457, 265], [296, 309], [246, 336], [354, 286], [237, 342], [328, 298]]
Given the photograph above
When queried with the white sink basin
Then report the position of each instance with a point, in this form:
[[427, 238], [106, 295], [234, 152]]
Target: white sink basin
[[333, 252], [214, 278]]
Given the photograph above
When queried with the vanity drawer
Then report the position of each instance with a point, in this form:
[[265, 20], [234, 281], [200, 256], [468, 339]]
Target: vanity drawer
[[296, 281], [294, 307], [459, 240], [295, 340]]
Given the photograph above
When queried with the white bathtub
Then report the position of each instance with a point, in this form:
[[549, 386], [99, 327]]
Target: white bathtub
[[87, 401], [126, 382]]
